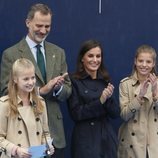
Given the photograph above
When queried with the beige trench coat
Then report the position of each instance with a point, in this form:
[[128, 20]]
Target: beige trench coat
[[55, 66], [25, 130], [139, 133]]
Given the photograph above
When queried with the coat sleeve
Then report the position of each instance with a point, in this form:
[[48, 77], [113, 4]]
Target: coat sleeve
[[6, 65], [46, 133], [66, 90], [4, 143], [112, 108], [129, 106]]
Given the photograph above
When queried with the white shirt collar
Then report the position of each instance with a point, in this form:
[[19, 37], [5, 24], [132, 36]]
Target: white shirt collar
[[31, 43]]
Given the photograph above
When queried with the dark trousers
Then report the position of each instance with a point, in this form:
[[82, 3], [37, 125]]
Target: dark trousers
[[59, 153]]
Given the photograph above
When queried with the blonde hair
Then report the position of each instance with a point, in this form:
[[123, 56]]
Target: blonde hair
[[18, 67], [146, 49]]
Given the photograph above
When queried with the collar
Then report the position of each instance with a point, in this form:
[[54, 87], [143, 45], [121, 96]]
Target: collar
[[31, 43], [134, 79], [86, 75], [19, 100]]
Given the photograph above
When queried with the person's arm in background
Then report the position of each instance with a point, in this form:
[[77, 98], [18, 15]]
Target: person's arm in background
[[6, 64], [128, 108], [66, 89], [60, 86], [46, 138]]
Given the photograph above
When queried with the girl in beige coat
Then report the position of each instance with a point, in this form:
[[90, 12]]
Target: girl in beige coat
[[23, 115], [138, 135]]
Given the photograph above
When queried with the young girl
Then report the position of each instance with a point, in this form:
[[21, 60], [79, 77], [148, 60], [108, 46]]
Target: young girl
[[23, 115], [138, 135]]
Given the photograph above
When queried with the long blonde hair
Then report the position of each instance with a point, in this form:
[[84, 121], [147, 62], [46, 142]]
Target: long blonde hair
[[18, 67]]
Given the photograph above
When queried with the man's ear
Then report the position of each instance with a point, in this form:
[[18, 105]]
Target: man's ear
[[27, 22]]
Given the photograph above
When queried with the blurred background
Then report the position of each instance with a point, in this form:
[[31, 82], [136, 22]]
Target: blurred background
[[120, 25]]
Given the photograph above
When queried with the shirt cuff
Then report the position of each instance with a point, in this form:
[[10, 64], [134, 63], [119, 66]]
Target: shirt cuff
[[56, 92]]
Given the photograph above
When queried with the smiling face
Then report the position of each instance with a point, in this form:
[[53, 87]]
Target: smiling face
[[92, 60], [144, 64], [25, 81], [39, 27]]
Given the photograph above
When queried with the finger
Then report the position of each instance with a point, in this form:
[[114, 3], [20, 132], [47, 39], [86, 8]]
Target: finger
[[61, 80], [60, 83], [111, 85], [146, 85], [107, 92], [64, 75], [153, 77], [111, 89]]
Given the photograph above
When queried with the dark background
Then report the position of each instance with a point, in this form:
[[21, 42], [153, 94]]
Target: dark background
[[122, 26]]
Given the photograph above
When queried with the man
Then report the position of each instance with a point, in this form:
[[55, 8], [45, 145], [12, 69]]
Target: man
[[52, 80]]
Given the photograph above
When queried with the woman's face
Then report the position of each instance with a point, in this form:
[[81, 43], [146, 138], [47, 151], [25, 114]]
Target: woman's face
[[144, 64], [92, 60], [25, 81]]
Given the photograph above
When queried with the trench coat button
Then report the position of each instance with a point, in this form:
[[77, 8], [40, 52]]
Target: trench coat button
[[122, 140], [133, 134], [131, 146], [135, 95], [92, 123], [37, 119], [154, 107], [157, 133], [37, 133], [155, 120], [133, 110], [19, 145], [19, 132], [135, 121], [19, 119]]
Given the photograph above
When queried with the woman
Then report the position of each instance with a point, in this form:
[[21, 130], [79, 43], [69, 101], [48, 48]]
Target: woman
[[138, 135], [23, 115], [91, 106]]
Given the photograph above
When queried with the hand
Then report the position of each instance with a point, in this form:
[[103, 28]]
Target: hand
[[60, 80], [107, 93], [51, 149], [143, 88], [59, 83], [153, 80], [23, 153], [54, 84]]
